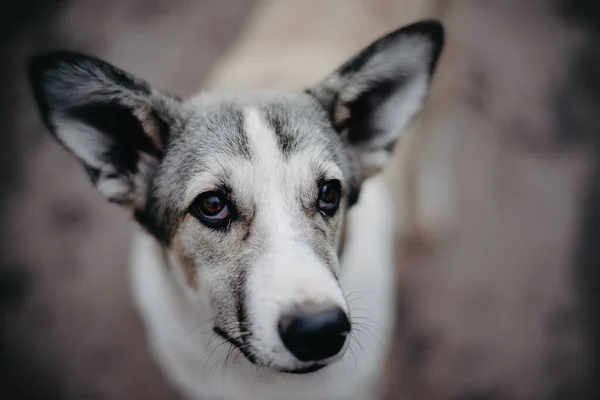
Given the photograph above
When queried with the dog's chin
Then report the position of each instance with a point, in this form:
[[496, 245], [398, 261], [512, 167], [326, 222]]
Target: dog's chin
[[292, 371], [303, 370]]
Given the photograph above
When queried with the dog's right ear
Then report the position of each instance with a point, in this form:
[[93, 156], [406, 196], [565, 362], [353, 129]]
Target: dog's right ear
[[114, 123], [373, 97]]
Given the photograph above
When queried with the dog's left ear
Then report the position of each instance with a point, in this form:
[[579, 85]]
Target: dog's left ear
[[113, 122], [372, 98]]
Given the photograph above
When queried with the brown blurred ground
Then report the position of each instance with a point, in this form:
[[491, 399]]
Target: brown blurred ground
[[67, 328]]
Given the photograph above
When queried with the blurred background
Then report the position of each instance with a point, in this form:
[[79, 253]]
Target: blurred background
[[67, 326]]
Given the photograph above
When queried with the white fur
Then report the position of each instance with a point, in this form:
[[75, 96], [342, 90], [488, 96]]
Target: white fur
[[289, 272], [189, 357]]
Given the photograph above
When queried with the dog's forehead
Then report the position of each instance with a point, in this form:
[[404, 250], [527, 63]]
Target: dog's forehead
[[219, 124], [221, 134]]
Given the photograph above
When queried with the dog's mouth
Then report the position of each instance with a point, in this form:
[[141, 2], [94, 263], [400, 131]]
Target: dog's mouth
[[243, 347], [304, 370]]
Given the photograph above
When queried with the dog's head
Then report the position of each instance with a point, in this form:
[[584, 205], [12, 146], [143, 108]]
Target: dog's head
[[246, 193]]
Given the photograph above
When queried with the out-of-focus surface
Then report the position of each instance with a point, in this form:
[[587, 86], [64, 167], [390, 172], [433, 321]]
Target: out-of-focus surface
[[67, 327], [499, 253], [292, 45]]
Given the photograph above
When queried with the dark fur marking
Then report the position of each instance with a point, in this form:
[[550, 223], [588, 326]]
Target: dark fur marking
[[241, 140], [238, 345], [232, 119], [361, 125], [277, 119], [124, 130], [150, 219], [248, 221], [92, 172], [241, 343], [240, 296], [389, 147]]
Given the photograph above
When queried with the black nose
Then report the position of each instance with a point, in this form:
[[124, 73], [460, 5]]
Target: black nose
[[314, 336]]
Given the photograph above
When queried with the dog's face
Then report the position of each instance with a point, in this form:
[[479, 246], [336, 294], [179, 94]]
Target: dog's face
[[246, 193]]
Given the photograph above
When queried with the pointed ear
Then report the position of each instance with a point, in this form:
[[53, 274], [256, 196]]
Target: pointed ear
[[115, 124], [372, 98]]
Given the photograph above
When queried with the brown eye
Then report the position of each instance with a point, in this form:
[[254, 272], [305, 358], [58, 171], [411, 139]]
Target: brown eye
[[212, 209], [212, 205], [329, 197]]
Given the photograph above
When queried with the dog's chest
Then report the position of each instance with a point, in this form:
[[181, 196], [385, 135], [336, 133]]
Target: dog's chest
[[203, 366]]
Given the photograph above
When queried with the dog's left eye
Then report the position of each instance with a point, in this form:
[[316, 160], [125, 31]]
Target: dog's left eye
[[212, 209], [329, 197]]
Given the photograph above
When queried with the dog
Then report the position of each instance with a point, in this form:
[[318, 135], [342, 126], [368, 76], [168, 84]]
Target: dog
[[264, 266]]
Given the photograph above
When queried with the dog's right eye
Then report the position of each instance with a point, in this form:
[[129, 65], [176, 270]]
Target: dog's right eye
[[212, 209]]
